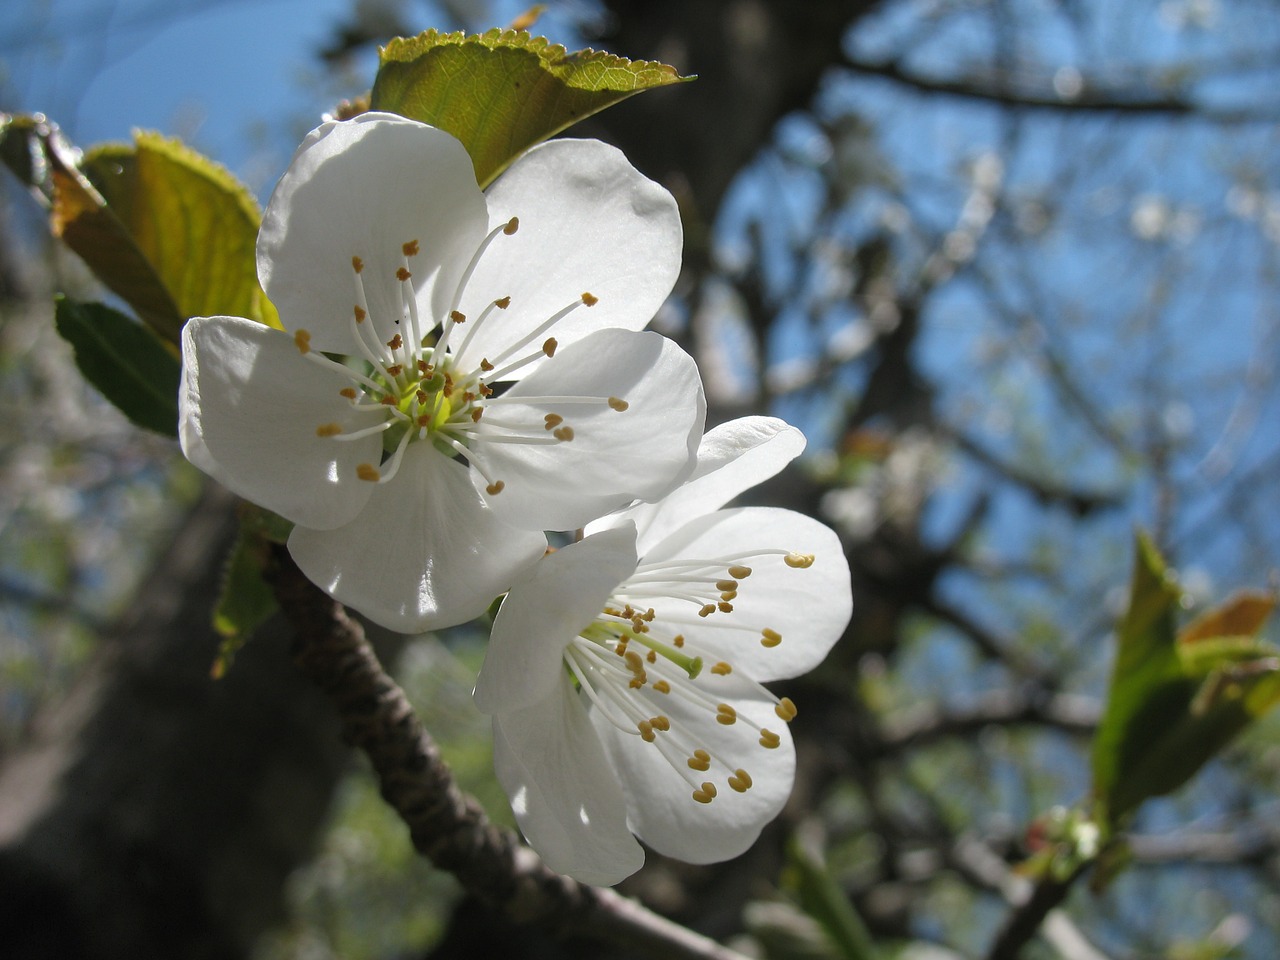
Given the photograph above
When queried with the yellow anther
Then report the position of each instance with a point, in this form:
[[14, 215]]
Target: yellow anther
[[485, 365], [476, 414], [740, 781], [512, 226], [801, 561], [302, 340], [349, 392], [701, 760], [724, 606], [770, 638], [634, 661], [328, 430], [359, 313], [727, 595], [707, 610], [367, 471], [648, 615], [652, 656], [785, 709], [402, 275], [563, 433], [768, 739], [662, 687], [617, 403], [722, 669], [549, 346], [678, 640], [739, 572], [703, 797], [726, 585], [661, 722], [410, 249], [589, 299], [495, 488], [357, 264], [646, 731], [458, 317], [726, 715], [503, 303]]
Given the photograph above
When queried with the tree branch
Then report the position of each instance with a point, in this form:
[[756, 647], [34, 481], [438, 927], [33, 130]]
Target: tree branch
[[1035, 905], [929, 723], [1091, 99], [447, 826]]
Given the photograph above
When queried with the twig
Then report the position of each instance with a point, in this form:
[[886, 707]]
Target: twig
[[1035, 905], [447, 826], [927, 723]]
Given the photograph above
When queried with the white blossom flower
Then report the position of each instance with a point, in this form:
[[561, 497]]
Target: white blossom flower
[[461, 371], [624, 671]]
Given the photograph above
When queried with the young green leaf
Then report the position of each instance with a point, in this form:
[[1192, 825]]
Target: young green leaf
[[503, 91], [165, 229], [1148, 688], [193, 221], [1177, 699], [125, 361]]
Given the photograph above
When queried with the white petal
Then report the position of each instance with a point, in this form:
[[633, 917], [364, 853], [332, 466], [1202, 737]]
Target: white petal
[[563, 593], [732, 457], [364, 187], [615, 456], [809, 607], [562, 790], [424, 553], [250, 404], [589, 223], [660, 805]]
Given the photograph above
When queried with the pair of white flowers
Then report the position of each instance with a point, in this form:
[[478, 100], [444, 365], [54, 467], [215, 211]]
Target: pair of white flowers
[[463, 372]]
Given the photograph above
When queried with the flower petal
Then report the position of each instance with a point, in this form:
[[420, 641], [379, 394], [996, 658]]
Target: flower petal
[[563, 593], [614, 456], [249, 406], [364, 187], [589, 223], [660, 805], [424, 553], [565, 798], [732, 457], [808, 607]]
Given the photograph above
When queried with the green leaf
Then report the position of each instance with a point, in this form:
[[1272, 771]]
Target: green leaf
[[503, 91], [125, 361], [821, 897], [165, 229], [193, 221], [246, 600], [1148, 689], [1176, 699]]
